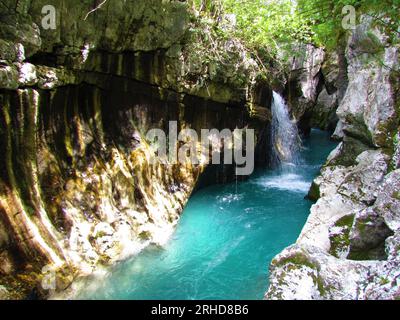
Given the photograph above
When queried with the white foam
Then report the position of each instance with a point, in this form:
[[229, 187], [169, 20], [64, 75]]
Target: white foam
[[288, 182], [229, 198]]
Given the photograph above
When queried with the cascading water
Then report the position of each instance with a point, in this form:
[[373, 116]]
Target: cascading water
[[284, 136], [285, 151]]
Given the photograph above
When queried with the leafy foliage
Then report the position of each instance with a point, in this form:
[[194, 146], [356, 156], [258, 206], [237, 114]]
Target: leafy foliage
[[273, 26], [325, 17]]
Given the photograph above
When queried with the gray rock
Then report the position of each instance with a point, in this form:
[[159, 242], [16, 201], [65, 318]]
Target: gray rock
[[368, 236], [346, 152], [368, 107], [324, 111], [387, 203], [362, 182]]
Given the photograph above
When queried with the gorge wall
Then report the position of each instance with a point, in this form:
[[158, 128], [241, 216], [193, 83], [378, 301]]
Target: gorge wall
[[77, 189], [314, 87], [349, 247]]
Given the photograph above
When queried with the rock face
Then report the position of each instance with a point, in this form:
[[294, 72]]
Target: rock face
[[77, 188], [312, 90], [349, 247]]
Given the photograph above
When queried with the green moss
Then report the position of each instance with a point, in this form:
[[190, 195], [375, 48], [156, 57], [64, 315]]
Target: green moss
[[341, 242], [396, 195], [314, 194], [346, 221], [145, 235], [371, 43], [298, 259], [384, 281], [322, 287], [100, 234], [359, 256]]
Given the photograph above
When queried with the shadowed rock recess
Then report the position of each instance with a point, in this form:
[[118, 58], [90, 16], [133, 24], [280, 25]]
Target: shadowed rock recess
[[77, 190]]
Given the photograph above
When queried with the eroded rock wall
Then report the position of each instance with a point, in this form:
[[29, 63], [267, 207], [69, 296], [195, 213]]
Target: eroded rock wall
[[313, 89], [77, 187]]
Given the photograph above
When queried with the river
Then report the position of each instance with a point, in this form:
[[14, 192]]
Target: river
[[226, 238]]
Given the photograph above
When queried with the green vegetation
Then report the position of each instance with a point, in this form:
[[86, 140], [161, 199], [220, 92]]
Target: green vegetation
[[297, 259], [340, 242], [272, 27]]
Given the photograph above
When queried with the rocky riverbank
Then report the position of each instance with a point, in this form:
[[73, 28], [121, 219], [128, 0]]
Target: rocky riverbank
[[349, 247]]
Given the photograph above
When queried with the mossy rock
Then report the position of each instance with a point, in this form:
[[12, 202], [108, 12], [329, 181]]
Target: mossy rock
[[368, 238], [340, 243], [396, 195], [314, 194], [145, 235], [370, 43], [297, 259]]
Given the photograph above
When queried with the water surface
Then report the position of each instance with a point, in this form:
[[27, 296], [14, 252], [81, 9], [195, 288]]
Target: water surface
[[225, 240]]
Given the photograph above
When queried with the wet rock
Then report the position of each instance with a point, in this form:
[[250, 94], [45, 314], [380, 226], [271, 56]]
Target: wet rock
[[124, 26], [7, 263], [52, 78]]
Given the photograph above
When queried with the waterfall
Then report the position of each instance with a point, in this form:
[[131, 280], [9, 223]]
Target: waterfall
[[284, 136]]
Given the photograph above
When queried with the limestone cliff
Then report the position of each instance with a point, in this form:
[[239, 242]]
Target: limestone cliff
[[313, 89], [349, 247], [77, 189]]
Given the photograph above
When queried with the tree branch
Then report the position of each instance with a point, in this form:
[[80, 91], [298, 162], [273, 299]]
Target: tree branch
[[93, 10]]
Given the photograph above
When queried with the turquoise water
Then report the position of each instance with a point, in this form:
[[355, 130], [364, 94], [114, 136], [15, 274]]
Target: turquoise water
[[225, 239]]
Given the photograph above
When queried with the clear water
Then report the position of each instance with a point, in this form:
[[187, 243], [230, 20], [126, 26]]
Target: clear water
[[225, 240]]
